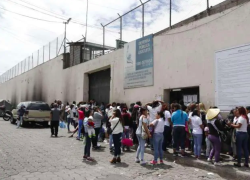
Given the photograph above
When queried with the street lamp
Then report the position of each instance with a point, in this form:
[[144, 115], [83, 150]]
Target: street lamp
[[65, 23]]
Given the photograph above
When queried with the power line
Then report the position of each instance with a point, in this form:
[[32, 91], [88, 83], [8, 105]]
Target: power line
[[30, 16], [36, 10]]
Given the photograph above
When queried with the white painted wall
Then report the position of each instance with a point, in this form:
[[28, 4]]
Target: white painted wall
[[183, 57]]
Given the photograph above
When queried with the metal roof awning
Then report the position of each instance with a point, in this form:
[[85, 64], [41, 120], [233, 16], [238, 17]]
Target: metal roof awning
[[92, 46]]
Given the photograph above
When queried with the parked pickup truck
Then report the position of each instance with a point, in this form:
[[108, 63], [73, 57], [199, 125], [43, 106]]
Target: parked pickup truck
[[36, 111]]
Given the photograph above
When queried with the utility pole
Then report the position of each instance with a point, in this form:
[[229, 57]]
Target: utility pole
[[65, 37], [142, 18], [208, 10], [103, 39], [120, 26], [170, 14]]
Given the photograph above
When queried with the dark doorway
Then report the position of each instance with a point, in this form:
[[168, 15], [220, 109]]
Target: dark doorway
[[187, 95], [99, 86]]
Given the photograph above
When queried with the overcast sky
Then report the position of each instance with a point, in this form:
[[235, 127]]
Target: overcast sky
[[21, 36]]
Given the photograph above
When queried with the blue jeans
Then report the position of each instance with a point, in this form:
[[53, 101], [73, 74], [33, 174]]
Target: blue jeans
[[80, 124], [69, 121], [197, 138], [179, 134], [110, 141], [87, 145], [125, 134], [117, 144], [151, 139], [141, 147], [158, 140], [241, 142]]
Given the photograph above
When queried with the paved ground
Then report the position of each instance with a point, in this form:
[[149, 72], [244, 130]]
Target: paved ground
[[30, 153]]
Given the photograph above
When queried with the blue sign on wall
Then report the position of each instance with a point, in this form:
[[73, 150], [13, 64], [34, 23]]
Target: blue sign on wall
[[144, 52]]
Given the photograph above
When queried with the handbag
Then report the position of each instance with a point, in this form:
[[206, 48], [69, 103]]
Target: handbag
[[144, 135]]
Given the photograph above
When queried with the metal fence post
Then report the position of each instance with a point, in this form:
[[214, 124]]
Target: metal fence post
[[28, 62], [43, 54], [103, 39], [37, 57], [32, 61], [56, 46], [49, 50]]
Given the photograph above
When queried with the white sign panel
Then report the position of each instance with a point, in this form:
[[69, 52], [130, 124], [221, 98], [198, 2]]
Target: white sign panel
[[138, 63], [232, 78]]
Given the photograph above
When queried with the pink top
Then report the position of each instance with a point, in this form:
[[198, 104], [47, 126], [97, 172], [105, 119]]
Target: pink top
[[80, 115]]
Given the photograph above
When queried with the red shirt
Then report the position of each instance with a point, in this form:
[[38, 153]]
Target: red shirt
[[80, 115]]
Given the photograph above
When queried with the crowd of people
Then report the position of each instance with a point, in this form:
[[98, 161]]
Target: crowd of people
[[158, 126]]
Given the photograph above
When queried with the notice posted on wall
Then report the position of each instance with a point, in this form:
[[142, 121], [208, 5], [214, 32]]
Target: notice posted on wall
[[232, 78], [138, 63]]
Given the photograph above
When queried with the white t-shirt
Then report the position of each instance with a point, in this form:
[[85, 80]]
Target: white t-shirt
[[196, 122], [74, 108], [235, 120], [160, 126], [138, 131], [119, 128], [153, 112], [167, 116], [189, 117], [244, 125]]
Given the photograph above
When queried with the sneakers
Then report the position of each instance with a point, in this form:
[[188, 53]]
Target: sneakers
[[161, 162], [143, 163], [153, 162], [209, 160], [90, 159], [217, 164], [137, 160], [175, 154]]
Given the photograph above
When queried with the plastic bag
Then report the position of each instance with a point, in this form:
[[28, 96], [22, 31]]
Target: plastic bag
[[62, 125]]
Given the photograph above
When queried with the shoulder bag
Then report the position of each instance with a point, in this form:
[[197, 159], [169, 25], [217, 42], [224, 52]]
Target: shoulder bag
[[110, 131]]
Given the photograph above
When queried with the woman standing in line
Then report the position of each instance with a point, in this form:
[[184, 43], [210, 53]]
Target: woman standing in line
[[197, 132], [141, 130], [167, 128], [117, 130], [158, 125], [214, 126], [98, 123], [241, 136]]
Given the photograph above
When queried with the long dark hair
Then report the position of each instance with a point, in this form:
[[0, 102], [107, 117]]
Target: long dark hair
[[119, 115], [243, 113], [155, 104], [161, 114]]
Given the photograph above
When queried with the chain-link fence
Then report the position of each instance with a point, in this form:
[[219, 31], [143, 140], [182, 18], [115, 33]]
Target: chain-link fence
[[47, 52]]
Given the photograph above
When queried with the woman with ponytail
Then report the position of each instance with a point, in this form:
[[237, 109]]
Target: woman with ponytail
[[158, 126], [241, 136]]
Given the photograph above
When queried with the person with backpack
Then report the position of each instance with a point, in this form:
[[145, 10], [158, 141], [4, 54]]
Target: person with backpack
[[214, 126], [21, 113]]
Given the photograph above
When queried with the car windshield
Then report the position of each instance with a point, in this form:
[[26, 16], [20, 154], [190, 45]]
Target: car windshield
[[39, 106]]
